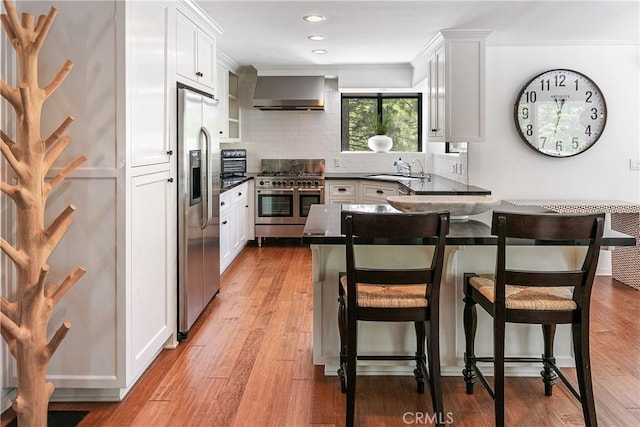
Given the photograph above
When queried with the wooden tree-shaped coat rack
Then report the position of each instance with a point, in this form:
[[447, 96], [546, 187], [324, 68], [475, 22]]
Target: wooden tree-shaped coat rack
[[25, 320]]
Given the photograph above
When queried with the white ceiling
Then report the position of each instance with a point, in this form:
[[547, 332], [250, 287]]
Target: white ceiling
[[272, 33]]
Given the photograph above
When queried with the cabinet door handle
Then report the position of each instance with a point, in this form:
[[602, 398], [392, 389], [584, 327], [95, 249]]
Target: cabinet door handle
[[342, 189], [224, 222], [434, 130], [220, 132], [222, 203], [239, 194], [170, 180], [199, 74], [379, 191], [170, 152]]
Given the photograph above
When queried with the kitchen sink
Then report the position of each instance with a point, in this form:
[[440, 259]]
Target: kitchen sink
[[395, 178]]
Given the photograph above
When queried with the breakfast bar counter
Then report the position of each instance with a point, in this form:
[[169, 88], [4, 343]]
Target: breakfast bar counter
[[470, 248]]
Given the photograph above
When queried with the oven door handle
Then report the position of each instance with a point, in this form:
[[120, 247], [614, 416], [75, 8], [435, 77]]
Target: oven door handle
[[310, 190], [274, 191]]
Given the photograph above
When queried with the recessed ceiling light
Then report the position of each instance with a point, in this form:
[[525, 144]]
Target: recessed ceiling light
[[319, 51], [314, 18], [316, 37]]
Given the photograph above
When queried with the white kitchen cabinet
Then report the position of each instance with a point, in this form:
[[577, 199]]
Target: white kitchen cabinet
[[222, 81], [456, 73], [150, 226], [195, 53], [341, 191], [228, 107], [226, 231], [241, 208], [436, 96], [151, 321], [148, 100], [234, 223], [374, 192]]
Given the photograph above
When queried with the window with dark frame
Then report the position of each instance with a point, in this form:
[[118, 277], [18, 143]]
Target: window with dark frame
[[403, 112]]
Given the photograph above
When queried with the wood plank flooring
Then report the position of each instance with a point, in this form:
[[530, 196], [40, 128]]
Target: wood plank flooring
[[248, 362]]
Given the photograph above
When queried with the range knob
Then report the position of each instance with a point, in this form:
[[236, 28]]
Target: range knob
[[261, 182], [291, 183], [316, 183], [299, 182]]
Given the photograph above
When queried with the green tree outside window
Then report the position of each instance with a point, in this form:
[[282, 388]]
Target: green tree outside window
[[403, 112]]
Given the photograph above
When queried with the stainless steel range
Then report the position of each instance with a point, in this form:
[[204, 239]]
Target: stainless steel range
[[285, 190]]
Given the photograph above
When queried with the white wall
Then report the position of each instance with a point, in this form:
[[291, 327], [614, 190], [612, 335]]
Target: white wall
[[507, 166]]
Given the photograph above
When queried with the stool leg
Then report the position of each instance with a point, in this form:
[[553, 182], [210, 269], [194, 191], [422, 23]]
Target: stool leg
[[419, 372], [498, 369], [342, 326], [583, 371], [352, 348], [548, 374], [435, 383], [470, 322]]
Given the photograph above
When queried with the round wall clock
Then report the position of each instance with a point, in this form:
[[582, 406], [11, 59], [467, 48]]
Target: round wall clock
[[560, 113]]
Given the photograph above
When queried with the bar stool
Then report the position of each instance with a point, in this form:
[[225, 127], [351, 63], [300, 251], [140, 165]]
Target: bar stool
[[535, 297], [392, 294]]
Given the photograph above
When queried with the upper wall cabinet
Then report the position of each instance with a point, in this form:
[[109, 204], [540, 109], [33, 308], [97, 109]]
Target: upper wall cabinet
[[148, 100], [195, 53], [436, 95], [456, 73], [229, 107]]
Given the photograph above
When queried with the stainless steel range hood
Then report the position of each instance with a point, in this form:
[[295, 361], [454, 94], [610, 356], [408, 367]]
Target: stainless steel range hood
[[289, 93]]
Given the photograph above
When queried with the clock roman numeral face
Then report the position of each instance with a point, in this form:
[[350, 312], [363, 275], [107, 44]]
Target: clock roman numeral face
[[560, 113]]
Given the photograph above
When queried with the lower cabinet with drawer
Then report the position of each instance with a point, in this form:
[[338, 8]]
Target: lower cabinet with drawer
[[377, 192], [234, 223], [341, 192]]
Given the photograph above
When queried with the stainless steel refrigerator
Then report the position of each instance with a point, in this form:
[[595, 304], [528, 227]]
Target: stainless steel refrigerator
[[198, 205]]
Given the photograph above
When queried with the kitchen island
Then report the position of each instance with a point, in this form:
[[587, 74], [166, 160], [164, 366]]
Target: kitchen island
[[470, 248]]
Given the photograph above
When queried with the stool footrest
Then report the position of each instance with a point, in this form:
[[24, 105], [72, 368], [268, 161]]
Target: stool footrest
[[510, 359], [389, 357]]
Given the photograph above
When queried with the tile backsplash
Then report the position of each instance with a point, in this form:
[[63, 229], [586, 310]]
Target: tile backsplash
[[452, 166]]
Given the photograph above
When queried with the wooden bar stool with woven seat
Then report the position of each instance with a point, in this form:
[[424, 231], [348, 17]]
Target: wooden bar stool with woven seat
[[392, 294], [547, 298]]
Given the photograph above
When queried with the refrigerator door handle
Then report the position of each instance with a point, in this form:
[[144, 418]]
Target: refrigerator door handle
[[204, 147], [205, 188]]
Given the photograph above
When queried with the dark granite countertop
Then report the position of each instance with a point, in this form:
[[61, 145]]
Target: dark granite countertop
[[323, 227], [432, 184]]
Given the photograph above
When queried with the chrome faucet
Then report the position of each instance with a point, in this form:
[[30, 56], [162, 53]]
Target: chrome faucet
[[421, 167], [403, 167]]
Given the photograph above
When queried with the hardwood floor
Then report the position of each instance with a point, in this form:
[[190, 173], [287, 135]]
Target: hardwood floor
[[248, 362]]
